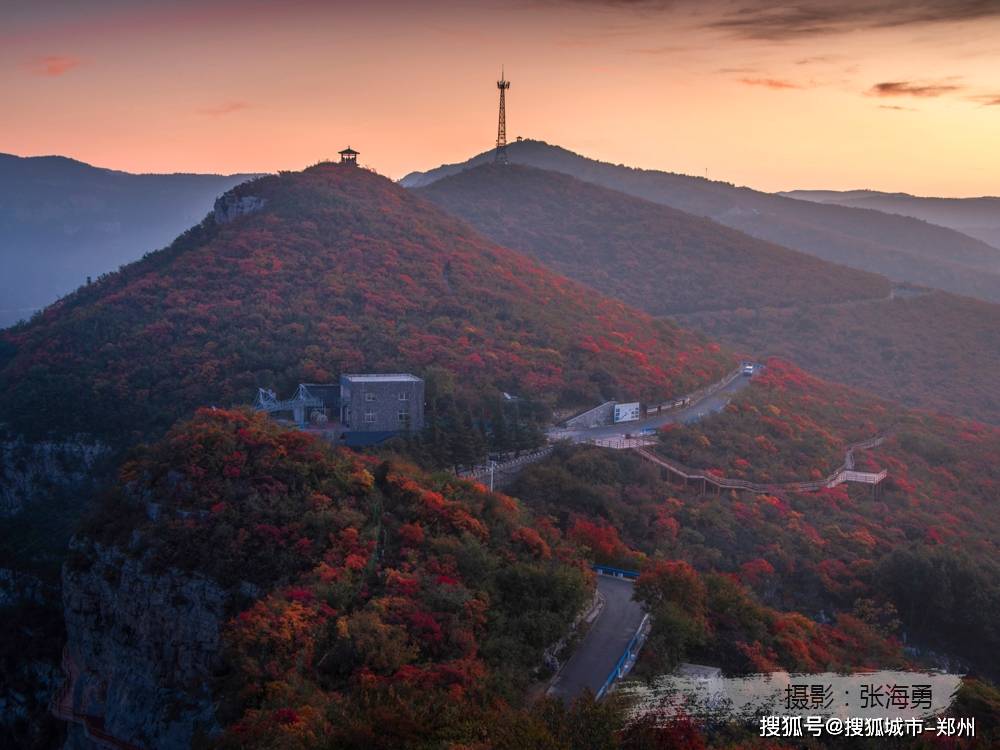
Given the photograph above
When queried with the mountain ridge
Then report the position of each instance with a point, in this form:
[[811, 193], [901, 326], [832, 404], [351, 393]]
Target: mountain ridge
[[902, 248], [649, 255], [340, 270], [63, 221], [925, 348], [977, 217]]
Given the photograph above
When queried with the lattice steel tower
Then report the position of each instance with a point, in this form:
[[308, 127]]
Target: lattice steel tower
[[501, 154]]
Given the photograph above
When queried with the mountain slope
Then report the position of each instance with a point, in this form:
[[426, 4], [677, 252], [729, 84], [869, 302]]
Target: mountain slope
[[341, 270], [934, 351], [976, 217], [901, 248], [651, 256], [310, 593], [62, 220], [931, 350]]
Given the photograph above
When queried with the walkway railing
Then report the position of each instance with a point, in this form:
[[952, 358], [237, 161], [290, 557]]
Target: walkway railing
[[480, 472], [844, 473], [698, 395]]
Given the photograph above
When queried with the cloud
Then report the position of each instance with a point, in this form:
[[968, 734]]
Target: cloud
[[225, 108], [771, 21], [764, 20], [896, 107], [53, 65], [815, 59], [909, 88], [987, 100], [770, 83]]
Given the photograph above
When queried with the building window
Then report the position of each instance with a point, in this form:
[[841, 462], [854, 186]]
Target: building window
[[369, 416], [404, 395], [369, 395], [404, 418]]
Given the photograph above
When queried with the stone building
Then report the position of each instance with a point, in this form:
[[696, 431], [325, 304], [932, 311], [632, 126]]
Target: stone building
[[377, 403]]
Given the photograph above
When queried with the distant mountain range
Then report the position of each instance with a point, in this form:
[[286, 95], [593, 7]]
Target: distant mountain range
[[934, 350], [652, 256], [62, 220], [900, 247], [976, 217]]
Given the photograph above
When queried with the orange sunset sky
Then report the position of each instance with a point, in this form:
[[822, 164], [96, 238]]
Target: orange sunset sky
[[882, 94]]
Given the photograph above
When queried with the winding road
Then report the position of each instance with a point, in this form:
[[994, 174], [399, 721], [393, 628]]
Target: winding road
[[603, 645], [698, 408]]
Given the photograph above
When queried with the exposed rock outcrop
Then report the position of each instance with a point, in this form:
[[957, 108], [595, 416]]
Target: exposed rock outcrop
[[231, 206], [18, 587], [29, 471], [141, 647]]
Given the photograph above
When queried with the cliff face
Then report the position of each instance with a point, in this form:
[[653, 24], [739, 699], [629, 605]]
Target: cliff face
[[29, 471], [141, 647]]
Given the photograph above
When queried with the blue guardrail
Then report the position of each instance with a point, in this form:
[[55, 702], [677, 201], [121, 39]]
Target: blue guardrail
[[607, 570], [633, 645]]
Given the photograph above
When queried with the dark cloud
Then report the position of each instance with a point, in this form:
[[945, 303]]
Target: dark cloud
[[759, 19], [767, 20], [910, 88], [770, 83]]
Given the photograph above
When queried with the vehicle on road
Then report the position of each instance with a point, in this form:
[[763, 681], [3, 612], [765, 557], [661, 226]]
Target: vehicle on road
[[746, 369]]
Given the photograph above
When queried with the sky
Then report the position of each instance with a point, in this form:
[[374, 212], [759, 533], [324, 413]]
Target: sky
[[899, 95]]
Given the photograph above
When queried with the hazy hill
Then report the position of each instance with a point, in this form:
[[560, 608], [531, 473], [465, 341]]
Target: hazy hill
[[649, 255], [62, 220], [899, 247], [936, 350], [342, 270], [976, 217]]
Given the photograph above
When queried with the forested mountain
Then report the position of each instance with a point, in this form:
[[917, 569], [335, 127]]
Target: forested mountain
[[899, 562], [334, 269], [342, 601], [931, 350], [925, 348], [976, 217], [652, 256], [901, 248], [62, 221]]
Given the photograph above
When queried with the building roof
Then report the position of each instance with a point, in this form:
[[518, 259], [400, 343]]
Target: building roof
[[391, 377], [349, 150]]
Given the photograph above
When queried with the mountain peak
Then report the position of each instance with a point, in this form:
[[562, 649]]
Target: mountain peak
[[339, 270]]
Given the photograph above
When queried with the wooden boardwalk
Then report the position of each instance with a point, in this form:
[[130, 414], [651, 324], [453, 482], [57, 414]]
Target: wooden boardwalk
[[844, 473]]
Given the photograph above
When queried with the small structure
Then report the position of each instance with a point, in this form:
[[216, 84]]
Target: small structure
[[298, 405], [381, 403], [349, 156]]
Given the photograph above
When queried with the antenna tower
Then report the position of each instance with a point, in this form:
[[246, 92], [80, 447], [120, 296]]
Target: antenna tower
[[501, 154]]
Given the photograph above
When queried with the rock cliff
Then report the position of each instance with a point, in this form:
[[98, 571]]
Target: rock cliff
[[29, 471], [231, 206], [141, 649]]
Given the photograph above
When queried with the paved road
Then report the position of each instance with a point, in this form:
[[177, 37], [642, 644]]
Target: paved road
[[716, 402], [598, 653]]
